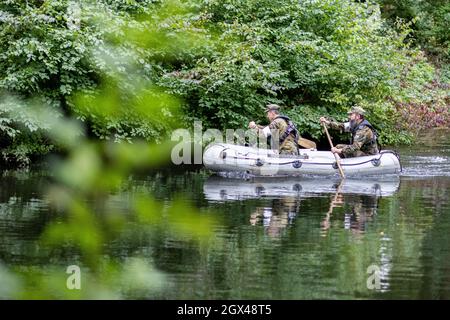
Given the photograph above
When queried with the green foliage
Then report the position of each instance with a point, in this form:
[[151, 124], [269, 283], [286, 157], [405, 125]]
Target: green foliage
[[225, 59], [86, 228], [424, 96], [22, 130], [86, 176], [55, 49], [430, 22], [314, 57]]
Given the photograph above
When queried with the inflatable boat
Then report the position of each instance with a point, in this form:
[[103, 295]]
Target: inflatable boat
[[221, 157], [220, 189]]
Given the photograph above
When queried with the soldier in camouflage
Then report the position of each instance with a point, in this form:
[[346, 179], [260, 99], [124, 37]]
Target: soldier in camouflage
[[281, 130], [364, 136]]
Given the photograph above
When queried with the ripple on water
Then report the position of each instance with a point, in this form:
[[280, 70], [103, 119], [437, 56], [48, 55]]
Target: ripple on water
[[426, 166], [431, 159]]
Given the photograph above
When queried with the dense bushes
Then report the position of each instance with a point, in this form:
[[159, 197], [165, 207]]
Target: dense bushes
[[424, 105], [55, 49], [430, 20], [314, 57]]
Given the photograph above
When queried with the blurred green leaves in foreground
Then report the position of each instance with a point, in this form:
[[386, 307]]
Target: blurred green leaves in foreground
[[92, 172], [97, 61]]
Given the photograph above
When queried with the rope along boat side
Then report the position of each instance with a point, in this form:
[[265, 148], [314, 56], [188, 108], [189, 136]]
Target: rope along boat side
[[221, 157]]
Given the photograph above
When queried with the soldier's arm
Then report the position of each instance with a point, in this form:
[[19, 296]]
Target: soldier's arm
[[336, 126], [256, 127], [274, 125], [361, 137], [332, 124], [277, 126], [262, 130]]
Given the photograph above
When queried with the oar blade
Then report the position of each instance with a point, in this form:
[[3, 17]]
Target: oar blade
[[305, 143]]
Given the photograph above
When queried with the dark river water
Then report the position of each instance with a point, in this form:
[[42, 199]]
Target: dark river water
[[372, 238]]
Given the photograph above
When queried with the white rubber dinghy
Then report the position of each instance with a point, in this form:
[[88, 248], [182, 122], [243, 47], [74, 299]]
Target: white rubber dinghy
[[221, 157]]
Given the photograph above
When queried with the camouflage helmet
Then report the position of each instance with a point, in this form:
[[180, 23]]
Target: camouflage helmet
[[357, 109], [272, 106]]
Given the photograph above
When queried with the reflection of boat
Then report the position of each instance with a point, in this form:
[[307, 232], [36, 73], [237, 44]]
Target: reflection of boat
[[223, 157], [220, 189]]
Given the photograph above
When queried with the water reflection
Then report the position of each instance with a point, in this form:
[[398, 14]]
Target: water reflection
[[359, 210], [273, 239], [355, 201], [222, 189], [340, 218], [277, 217], [23, 212], [360, 214]]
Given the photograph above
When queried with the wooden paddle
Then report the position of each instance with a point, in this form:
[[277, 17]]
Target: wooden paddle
[[334, 203], [305, 143], [338, 160]]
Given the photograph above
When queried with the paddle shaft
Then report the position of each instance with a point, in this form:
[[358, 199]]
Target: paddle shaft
[[338, 160]]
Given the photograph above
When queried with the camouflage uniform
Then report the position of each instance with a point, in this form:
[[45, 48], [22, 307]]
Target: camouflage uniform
[[363, 141], [289, 145], [278, 127]]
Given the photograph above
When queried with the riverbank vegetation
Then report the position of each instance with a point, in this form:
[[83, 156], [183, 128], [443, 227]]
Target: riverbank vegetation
[[219, 62], [90, 174]]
